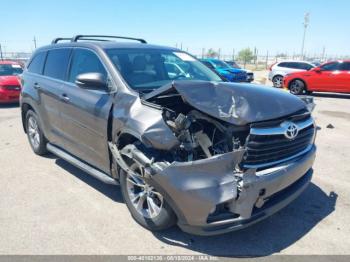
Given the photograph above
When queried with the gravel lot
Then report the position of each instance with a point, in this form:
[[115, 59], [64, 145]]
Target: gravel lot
[[47, 206]]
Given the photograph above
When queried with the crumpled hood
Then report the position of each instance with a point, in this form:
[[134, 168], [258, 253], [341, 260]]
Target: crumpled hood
[[238, 104]]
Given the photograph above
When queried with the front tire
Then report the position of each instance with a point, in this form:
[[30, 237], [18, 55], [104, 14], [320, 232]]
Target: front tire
[[277, 81], [35, 135], [297, 87], [146, 205]]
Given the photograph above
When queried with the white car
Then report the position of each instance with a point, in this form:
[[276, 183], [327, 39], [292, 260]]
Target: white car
[[280, 69]]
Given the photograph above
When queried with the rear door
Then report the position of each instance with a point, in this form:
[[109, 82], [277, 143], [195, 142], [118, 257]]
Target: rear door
[[344, 77], [85, 112], [54, 74]]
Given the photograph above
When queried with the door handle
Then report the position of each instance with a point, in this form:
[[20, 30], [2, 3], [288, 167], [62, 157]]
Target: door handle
[[37, 86], [65, 98]]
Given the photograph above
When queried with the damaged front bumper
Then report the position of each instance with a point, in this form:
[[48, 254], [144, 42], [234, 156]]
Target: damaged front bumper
[[210, 197]]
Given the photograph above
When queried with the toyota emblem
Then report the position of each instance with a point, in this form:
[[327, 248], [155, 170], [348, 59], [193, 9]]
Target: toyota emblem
[[292, 131]]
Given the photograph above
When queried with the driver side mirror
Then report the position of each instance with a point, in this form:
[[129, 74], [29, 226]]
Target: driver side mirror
[[93, 81], [317, 70]]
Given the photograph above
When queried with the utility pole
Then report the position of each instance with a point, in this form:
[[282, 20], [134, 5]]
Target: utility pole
[[233, 54], [305, 24], [34, 40], [2, 58], [323, 54], [255, 57]]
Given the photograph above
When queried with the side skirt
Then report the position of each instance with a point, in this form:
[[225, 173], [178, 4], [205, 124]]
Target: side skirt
[[83, 166]]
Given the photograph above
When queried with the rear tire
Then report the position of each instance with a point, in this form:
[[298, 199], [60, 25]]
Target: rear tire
[[297, 87], [277, 81], [35, 135], [163, 216]]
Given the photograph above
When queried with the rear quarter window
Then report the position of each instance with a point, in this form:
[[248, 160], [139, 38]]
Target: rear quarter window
[[37, 64], [57, 63]]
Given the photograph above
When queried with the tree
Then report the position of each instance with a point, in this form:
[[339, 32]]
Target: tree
[[212, 53], [245, 55]]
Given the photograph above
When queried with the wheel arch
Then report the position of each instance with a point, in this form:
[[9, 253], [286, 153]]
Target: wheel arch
[[25, 107], [298, 78]]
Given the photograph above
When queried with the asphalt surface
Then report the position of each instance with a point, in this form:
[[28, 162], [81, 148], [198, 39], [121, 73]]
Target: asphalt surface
[[47, 206]]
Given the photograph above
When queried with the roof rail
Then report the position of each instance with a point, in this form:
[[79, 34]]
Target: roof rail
[[91, 37], [56, 40]]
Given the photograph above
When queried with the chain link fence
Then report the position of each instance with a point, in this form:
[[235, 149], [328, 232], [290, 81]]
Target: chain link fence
[[258, 62], [21, 57]]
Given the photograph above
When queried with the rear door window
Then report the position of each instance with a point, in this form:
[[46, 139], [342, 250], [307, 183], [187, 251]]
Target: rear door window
[[304, 66], [57, 63], [285, 64], [85, 61], [37, 64]]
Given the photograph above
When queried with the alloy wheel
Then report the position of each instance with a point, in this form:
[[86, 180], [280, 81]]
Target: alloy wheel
[[277, 81], [146, 200], [296, 87], [33, 131]]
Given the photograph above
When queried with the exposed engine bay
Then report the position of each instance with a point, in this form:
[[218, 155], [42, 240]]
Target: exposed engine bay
[[201, 136]]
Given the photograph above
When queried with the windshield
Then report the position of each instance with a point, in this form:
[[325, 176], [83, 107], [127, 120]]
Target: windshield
[[148, 69], [220, 64], [10, 70], [235, 65]]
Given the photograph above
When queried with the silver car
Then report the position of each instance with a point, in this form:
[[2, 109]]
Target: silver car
[[280, 69]]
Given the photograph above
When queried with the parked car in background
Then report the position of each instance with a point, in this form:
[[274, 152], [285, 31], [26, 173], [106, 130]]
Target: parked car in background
[[330, 77], [225, 70], [280, 69], [250, 74], [10, 87]]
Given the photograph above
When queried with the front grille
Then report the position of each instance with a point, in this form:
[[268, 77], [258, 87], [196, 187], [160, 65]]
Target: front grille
[[12, 87], [268, 146]]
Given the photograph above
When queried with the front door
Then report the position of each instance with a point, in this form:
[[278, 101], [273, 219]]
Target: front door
[[85, 112]]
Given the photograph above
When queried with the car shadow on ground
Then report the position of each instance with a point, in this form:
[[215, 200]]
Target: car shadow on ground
[[332, 95], [266, 237], [111, 191], [7, 106]]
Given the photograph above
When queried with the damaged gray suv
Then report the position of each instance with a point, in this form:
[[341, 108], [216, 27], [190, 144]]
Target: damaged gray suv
[[186, 147]]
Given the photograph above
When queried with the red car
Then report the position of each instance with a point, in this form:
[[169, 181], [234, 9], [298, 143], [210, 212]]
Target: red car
[[10, 87], [330, 77]]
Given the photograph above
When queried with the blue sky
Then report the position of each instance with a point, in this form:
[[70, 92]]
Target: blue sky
[[272, 25]]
